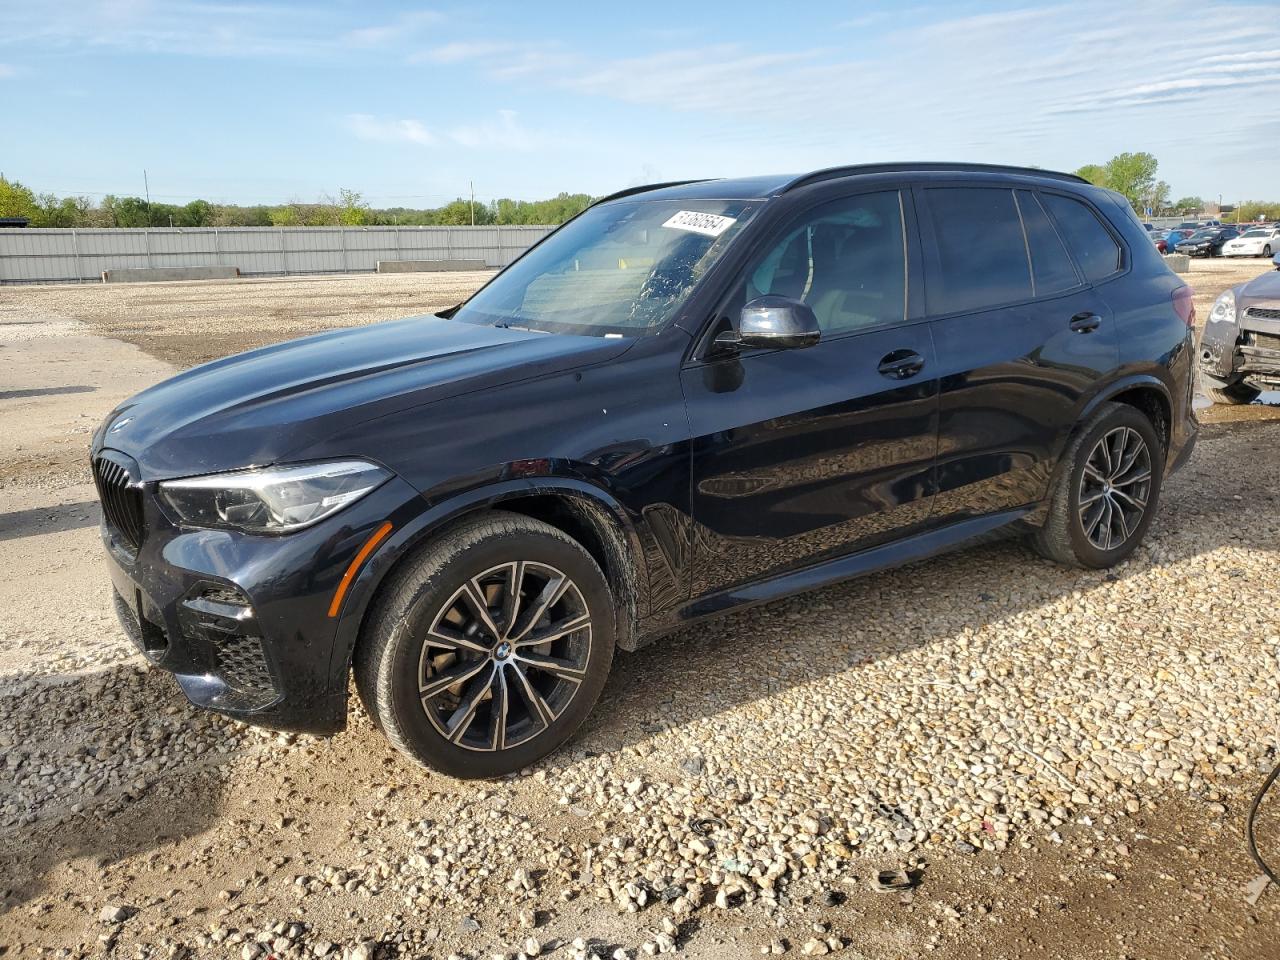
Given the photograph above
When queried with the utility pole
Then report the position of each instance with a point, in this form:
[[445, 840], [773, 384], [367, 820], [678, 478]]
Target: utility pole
[[473, 202], [146, 187]]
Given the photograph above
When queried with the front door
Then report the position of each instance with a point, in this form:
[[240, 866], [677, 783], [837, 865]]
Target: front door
[[807, 453]]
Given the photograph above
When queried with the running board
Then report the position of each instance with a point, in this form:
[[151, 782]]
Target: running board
[[827, 572]]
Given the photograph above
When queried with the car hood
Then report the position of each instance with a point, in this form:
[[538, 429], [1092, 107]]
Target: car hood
[[265, 405], [1262, 290]]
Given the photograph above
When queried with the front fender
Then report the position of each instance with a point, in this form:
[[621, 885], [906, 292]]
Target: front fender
[[438, 512]]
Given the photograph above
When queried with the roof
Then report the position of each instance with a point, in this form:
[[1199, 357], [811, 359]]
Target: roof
[[763, 187]]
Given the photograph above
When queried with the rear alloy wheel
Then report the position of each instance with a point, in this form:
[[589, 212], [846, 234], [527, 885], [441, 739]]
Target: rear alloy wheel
[[1106, 490], [1115, 487], [489, 648], [1266, 251]]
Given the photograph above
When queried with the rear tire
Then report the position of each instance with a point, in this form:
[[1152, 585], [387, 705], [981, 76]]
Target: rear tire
[[1266, 251], [1106, 491], [1230, 394], [489, 647]]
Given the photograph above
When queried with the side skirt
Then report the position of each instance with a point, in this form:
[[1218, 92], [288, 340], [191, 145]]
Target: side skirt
[[823, 574]]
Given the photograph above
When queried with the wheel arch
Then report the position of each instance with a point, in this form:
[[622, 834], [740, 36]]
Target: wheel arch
[[581, 510], [1145, 392]]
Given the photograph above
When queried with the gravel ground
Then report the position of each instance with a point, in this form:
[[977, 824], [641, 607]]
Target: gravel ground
[[1059, 760]]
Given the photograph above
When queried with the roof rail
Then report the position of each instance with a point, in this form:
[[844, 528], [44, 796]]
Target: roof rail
[[646, 188], [834, 173]]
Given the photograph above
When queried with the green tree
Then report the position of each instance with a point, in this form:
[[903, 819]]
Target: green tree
[[1134, 176], [1189, 205], [197, 213], [286, 216], [125, 211], [17, 201], [353, 211], [64, 212], [1093, 173]]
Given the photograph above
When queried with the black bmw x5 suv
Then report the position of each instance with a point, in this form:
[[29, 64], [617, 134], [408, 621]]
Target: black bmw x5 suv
[[692, 397]]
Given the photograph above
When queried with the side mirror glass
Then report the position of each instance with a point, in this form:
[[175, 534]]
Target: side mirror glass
[[777, 322]]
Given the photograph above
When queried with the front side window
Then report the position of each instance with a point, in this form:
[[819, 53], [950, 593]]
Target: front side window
[[622, 268], [1095, 249], [982, 254], [846, 259]]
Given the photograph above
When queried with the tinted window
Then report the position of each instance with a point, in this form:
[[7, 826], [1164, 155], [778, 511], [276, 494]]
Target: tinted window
[[1051, 269], [1095, 250], [981, 252], [845, 259]]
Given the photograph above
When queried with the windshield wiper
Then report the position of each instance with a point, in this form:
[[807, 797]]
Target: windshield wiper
[[504, 325]]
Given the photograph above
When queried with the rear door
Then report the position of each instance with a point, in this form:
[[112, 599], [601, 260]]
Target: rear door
[[804, 454], [1021, 336]]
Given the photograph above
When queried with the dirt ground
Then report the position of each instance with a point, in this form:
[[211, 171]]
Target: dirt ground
[[214, 839]]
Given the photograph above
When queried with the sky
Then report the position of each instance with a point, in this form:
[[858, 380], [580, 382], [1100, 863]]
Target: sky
[[265, 101]]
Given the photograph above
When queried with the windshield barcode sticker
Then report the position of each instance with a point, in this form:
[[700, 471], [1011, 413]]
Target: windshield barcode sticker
[[708, 224]]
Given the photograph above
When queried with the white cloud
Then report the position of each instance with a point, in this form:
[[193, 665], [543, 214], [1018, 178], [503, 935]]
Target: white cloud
[[368, 127], [403, 28], [203, 28], [504, 133], [461, 51]]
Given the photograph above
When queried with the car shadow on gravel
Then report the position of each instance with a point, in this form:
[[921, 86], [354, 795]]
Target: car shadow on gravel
[[40, 520], [102, 765]]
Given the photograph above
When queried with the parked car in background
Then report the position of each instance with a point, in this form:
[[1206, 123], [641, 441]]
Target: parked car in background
[[1207, 242], [1192, 225], [1254, 242], [1240, 346], [1174, 237], [690, 398], [1159, 242]]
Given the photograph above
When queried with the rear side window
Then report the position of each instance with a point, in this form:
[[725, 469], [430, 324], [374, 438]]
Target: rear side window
[[1051, 268], [1095, 249], [982, 256]]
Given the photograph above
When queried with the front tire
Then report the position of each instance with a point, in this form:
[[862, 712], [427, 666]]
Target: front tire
[[1266, 251], [488, 648], [1107, 490]]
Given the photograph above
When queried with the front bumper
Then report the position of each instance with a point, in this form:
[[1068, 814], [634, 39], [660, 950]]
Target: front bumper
[[1244, 348], [242, 621]]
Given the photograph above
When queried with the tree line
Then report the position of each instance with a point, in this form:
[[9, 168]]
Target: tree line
[[348, 208], [1135, 176]]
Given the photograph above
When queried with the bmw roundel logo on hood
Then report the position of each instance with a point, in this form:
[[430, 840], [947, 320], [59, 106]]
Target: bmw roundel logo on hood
[[120, 425]]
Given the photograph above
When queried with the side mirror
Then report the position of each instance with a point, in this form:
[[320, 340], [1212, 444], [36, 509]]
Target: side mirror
[[777, 322]]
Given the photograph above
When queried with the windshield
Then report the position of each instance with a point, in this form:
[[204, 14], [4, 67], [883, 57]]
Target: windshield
[[1203, 234], [1257, 233], [621, 268]]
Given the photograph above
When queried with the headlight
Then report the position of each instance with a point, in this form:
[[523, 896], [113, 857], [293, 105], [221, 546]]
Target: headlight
[[271, 499], [1224, 309]]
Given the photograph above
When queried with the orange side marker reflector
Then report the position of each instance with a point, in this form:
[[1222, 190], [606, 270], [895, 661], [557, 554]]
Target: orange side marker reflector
[[369, 546]]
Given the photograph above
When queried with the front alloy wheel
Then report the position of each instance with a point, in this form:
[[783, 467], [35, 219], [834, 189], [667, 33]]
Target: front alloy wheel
[[505, 656], [488, 648], [1114, 488]]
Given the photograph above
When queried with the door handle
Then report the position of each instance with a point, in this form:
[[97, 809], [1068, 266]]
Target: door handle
[[901, 364], [1085, 322]]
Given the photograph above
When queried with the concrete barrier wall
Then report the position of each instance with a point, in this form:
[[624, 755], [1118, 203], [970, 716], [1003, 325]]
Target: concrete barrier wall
[[157, 274], [428, 266], [47, 255]]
